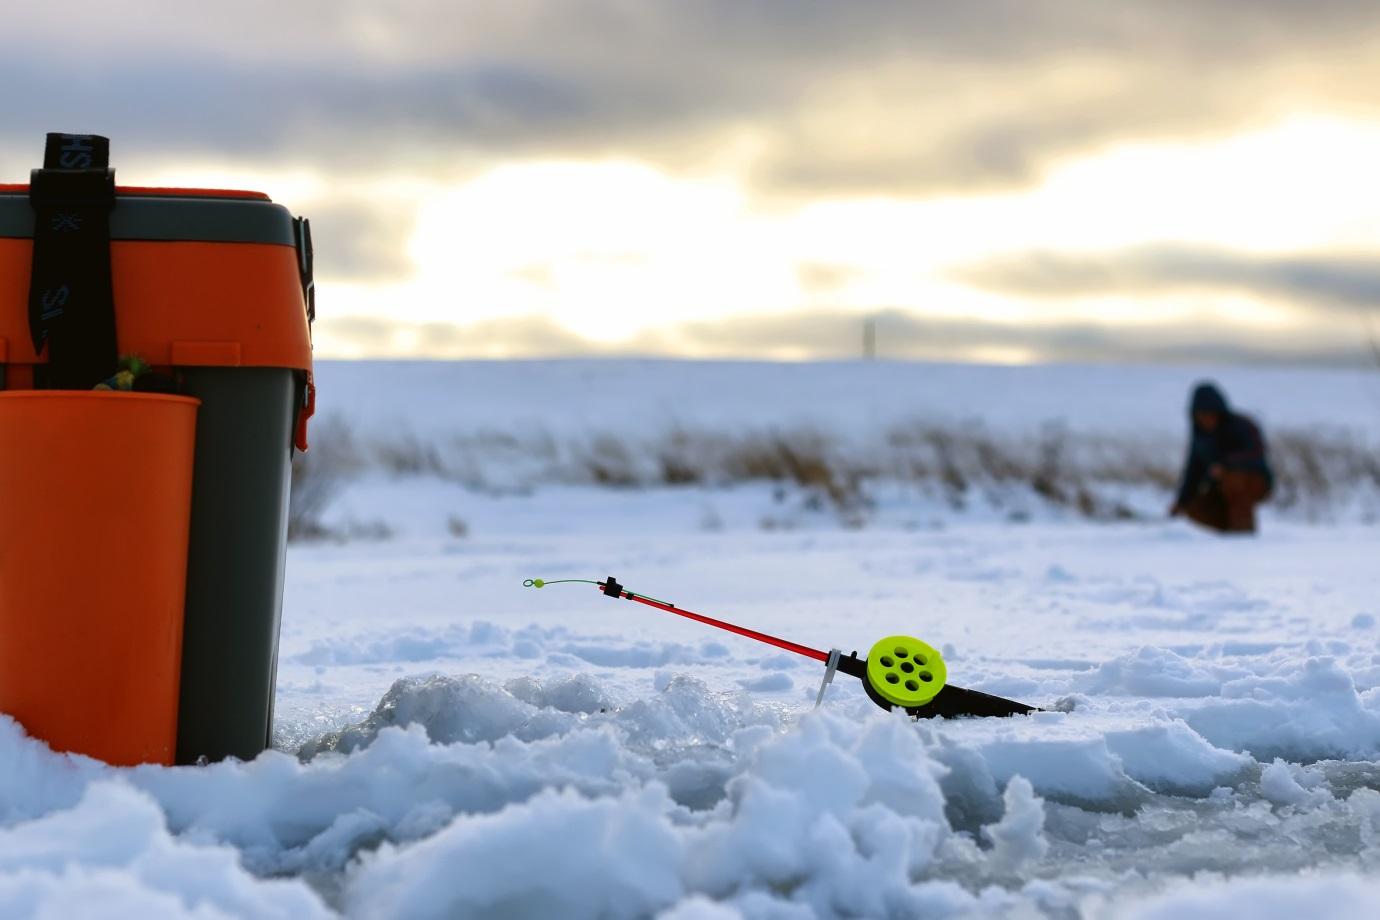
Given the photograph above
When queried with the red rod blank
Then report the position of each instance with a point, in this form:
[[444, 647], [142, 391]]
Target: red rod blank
[[740, 630]]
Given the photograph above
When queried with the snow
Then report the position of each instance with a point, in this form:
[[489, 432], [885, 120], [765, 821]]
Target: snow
[[555, 855], [1319, 898], [449, 743], [1018, 838], [521, 396], [1277, 783], [111, 855]]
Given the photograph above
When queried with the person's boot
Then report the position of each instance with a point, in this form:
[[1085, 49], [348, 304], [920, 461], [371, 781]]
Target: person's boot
[[1241, 492], [1208, 509]]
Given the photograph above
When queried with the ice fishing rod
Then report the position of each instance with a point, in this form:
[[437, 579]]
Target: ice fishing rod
[[899, 672]]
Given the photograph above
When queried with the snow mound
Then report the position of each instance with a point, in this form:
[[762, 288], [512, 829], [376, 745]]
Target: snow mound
[[290, 817], [1078, 769], [471, 709], [1084, 761], [1259, 699], [112, 856], [451, 709], [578, 693], [561, 801], [1154, 672], [1172, 758], [557, 855], [1018, 838], [1288, 784], [1322, 897], [1297, 712]]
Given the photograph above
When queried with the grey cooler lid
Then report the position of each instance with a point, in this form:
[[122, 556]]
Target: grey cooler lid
[[171, 216]]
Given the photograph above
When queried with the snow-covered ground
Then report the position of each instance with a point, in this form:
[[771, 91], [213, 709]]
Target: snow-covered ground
[[845, 397], [451, 744]]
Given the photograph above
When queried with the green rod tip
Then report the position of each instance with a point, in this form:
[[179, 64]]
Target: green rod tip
[[534, 583]]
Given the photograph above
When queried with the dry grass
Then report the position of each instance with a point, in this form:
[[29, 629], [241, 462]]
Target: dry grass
[[962, 465], [320, 475]]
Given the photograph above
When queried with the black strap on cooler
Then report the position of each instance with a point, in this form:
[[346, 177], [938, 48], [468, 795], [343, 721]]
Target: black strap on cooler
[[71, 306]]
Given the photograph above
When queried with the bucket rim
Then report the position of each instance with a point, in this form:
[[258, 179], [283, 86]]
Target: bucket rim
[[83, 395]]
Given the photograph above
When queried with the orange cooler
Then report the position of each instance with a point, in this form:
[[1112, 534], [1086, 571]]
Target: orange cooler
[[144, 533]]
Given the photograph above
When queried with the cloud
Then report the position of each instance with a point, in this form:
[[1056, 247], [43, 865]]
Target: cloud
[[524, 336], [825, 277], [885, 95], [908, 335], [828, 334], [1349, 283], [361, 241], [803, 99]]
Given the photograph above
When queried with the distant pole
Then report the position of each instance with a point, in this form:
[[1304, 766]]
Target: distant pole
[[870, 339]]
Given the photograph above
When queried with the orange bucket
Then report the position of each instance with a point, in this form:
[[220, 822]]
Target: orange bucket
[[95, 503]]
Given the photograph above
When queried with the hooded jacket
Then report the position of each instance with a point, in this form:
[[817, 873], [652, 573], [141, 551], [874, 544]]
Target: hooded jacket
[[1236, 443]]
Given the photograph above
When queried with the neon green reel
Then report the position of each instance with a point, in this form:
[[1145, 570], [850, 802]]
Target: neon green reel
[[905, 671]]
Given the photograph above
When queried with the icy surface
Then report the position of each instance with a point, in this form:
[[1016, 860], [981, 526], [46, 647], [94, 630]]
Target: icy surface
[[450, 744]]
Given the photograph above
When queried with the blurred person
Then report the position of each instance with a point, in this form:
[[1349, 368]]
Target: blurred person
[[1227, 472]]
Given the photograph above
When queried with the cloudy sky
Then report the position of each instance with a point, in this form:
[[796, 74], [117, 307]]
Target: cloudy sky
[[998, 180]]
